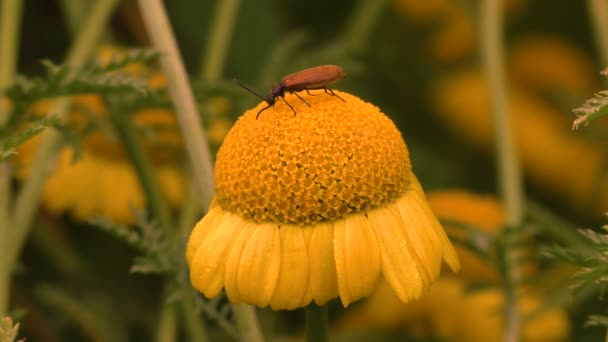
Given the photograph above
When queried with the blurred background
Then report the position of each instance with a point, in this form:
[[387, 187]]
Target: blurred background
[[419, 61]]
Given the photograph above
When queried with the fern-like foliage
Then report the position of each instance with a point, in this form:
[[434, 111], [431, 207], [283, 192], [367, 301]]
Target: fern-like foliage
[[157, 255], [593, 263], [593, 108], [8, 143], [62, 80]]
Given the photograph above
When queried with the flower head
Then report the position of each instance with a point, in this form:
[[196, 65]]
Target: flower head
[[315, 206]]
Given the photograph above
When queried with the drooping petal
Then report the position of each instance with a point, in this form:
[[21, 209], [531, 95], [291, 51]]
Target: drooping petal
[[323, 279], [198, 233], [208, 264], [357, 257], [233, 260], [259, 266], [400, 266], [419, 225], [448, 252], [293, 275]]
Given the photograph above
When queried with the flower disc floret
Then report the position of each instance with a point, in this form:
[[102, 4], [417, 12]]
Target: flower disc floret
[[330, 159]]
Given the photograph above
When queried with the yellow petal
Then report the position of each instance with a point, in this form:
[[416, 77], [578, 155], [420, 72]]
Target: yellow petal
[[419, 224], [323, 279], [208, 264], [448, 252], [357, 257], [399, 265], [232, 263], [307, 231], [293, 275], [198, 233], [259, 267]]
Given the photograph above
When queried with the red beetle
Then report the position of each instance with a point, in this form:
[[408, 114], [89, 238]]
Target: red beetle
[[308, 79]]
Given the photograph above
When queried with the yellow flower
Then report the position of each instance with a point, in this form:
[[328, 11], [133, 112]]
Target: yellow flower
[[454, 26], [564, 164], [474, 314], [550, 64], [103, 181], [482, 212], [315, 206], [477, 315]]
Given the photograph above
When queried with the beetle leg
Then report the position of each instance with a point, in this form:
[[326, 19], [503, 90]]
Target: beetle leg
[[331, 92], [294, 111], [300, 97], [309, 93]]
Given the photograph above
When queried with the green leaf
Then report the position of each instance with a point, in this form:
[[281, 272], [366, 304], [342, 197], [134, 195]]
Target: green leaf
[[594, 108], [10, 142]]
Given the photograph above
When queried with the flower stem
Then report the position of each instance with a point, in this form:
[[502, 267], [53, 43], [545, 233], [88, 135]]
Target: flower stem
[[247, 322], [222, 25], [73, 11], [28, 197], [361, 22], [509, 172], [317, 323], [597, 10], [192, 323], [167, 325], [10, 22], [145, 172], [159, 31]]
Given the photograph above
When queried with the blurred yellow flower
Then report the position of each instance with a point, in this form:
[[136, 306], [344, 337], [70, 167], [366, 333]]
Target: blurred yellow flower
[[562, 163], [477, 315], [103, 181], [454, 37], [550, 64], [316, 206], [473, 314], [482, 212], [453, 26]]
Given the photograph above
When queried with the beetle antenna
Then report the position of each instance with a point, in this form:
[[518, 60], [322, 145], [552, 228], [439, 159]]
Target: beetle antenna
[[246, 87]]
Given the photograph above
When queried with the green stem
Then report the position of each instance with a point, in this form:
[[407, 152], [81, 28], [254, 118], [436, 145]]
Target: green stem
[[74, 11], [28, 197], [222, 26], [145, 172], [189, 213], [10, 23], [247, 322], [195, 329], [597, 10], [361, 23], [317, 323], [160, 33], [167, 325], [509, 172]]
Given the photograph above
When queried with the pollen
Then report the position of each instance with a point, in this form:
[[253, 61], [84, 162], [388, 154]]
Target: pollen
[[338, 156]]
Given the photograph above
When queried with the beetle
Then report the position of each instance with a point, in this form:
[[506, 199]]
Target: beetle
[[308, 79]]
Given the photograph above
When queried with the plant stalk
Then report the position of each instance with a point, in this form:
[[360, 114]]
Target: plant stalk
[[509, 171], [222, 26], [161, 34], [10, 23], [317, 323]]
